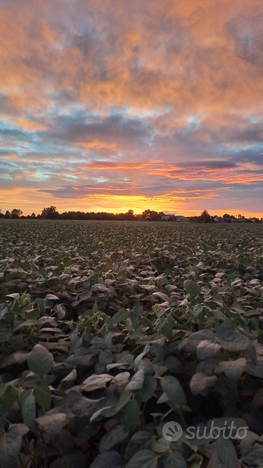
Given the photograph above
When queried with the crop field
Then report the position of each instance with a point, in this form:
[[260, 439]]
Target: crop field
[[109, 330]]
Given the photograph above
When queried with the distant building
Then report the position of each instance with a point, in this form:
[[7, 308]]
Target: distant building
[[218, 219], [182, 219]]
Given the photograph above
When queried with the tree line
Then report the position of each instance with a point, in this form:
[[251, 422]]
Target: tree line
[[147, 215], [52, 213]]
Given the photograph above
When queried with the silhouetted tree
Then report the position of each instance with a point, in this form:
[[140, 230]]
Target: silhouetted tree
[[15, 213], [205, 217], [150, 215], [129, 215], [50, 212]]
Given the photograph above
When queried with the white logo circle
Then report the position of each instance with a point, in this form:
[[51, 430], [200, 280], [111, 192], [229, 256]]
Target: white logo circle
[[172, 431]]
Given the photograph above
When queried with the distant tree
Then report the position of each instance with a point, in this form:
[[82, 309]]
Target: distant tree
[[150, 215], [7, 214], [129, 215], [146, 214], [155, 216], [33, 215], [50, 212], [15, 213], [205, 217], [1, 214]]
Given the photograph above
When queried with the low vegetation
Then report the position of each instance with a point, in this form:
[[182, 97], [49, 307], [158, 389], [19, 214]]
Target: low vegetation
[[108, 330]]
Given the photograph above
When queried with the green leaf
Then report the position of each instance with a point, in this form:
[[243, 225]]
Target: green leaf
[[32, 314], [234, 341], [207, 349], [71, 377], [139, 441], [28, 409], [100, 411], [197, 309], [149, 387], [160, 445], [135, 317], [168, 331], [2, 389], [226, 387], [113, 437], [70, 460], [40, 360], [191, 287], [9, 318], [138, 360], [42, 395], [9, 396], [111, 459], [225, 452], [10, 443], [121, 315], [130, 416], [67, 261], [233, 369], [173, 460], [51, 297], [96, 381], [136, 382], [104, 359], [124, 398], [81, 357], [108, 341], [17, 264], [224, 328], [122, 378], [172, 388], [195, 338], [252, 352], [143, 459], [3, 415], [75, 344], [173, 364], [51, 424], [85, 433], [60, 311], [200, 384]]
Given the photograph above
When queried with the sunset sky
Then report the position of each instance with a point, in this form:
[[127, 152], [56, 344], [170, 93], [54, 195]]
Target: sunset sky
[[111, 105]]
